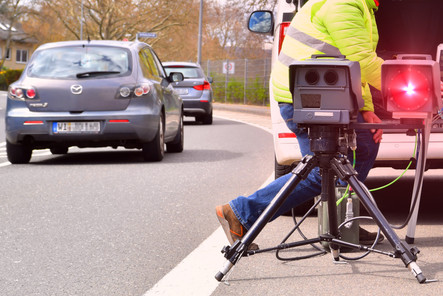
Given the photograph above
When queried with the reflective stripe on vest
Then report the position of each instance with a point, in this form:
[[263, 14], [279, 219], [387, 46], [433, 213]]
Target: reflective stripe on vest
[[307, 40]]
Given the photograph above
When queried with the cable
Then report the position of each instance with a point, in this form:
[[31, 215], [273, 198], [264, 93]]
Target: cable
[[416, 153], [297, 227]]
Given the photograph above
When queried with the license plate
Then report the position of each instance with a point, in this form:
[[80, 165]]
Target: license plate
[[181, 91], [75, 127]]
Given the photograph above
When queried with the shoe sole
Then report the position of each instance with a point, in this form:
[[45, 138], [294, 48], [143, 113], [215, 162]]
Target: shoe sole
[[224, 223], [371, 242]]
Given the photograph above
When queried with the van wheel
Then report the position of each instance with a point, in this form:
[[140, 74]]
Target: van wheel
[[18, 153], [155, 150], [281, 170]]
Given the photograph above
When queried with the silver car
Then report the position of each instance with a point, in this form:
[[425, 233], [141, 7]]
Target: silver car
[[94, 94], [195, 90]]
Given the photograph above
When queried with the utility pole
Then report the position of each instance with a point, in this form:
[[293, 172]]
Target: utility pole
[[81, 22], [199, 46]]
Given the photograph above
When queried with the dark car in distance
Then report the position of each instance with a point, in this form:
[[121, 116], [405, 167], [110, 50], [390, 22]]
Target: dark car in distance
[[195, 90], [94, 94]]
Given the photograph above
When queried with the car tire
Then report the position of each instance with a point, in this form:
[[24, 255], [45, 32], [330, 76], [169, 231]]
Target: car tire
[[177, 144], [205, 119], [18, 153], [281, 170], [59, 150], [155, 150]]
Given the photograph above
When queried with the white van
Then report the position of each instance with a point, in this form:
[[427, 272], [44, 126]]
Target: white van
[[405, 27]]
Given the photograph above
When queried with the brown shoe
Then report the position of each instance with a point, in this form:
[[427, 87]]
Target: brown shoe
[[234, 230], [368, 238]]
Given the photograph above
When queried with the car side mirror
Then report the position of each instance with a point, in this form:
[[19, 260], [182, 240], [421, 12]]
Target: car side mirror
[[176, 77], [210, 80], [261, 21]]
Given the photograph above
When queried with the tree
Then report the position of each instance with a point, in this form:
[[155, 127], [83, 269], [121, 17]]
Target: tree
[[174, 22], [227, 36], [11, 11]]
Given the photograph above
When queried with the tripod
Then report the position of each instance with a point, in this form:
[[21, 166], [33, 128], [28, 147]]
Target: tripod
[[329, 144]]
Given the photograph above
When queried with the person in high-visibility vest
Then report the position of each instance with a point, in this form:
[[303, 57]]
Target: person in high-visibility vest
[[332, 27]]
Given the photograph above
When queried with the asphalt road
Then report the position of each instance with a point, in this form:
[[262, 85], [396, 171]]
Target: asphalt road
[[102, 222]]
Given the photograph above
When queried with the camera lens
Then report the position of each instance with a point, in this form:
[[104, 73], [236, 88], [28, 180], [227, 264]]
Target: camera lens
[[312, 77], [331, 77]]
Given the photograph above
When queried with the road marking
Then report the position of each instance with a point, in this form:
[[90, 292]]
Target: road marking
[[194, 276], [245, 122], [35, 153]]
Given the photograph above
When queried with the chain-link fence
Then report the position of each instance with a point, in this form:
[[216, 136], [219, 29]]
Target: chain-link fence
[[240, 81]]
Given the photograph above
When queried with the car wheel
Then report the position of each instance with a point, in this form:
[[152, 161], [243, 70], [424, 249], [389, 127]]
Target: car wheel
[[281, 170], [18, 153], [177, 144], [59, 150], [206, 119], [155, 150]]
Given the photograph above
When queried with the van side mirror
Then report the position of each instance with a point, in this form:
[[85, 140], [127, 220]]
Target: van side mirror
[[261, 21]]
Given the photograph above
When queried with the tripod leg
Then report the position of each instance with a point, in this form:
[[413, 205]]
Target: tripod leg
[[328, 194], [402, 249], [233, 253]]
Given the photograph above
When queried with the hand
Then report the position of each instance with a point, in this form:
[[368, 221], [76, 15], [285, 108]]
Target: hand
[[370, 117]]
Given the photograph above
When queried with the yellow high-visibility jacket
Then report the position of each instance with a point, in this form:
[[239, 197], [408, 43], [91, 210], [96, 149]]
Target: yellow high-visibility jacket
[[333, 27]]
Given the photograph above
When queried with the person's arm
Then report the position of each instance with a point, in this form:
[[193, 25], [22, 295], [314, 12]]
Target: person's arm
[[345, 22]]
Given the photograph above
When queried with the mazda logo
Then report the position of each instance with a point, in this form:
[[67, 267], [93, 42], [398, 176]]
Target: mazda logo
[[76, 89]]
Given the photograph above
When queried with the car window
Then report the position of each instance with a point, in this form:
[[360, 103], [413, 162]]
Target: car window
[[151, 62], [159, 64], [188, 72], [69, 61], [144, 65]]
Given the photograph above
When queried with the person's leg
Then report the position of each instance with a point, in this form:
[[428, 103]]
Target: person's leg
[[247, 209]]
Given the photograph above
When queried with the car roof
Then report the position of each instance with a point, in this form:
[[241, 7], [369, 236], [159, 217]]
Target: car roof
[[125, 44], [185, 64]]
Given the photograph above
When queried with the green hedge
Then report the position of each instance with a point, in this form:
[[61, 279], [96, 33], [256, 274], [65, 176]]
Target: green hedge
[[234, 92], [8, 76]]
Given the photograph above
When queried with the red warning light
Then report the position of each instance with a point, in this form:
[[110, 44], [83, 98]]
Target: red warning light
[[409, 89], [410, 86]]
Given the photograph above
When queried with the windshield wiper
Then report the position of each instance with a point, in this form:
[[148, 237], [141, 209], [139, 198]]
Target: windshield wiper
[[95, 73]]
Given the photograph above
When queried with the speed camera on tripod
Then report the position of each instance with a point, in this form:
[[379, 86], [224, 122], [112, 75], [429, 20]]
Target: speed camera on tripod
[[325, 90]]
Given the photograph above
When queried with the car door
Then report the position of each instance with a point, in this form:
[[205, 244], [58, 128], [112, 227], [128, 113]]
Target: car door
[[172, 107]]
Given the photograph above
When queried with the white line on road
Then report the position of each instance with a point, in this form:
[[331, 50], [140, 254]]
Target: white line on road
[[194, 276]]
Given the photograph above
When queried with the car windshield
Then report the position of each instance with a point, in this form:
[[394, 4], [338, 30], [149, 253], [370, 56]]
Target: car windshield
[[79, 62], [188, 72]]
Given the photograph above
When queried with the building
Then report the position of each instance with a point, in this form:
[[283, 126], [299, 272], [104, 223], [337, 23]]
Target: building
[[21, 45]]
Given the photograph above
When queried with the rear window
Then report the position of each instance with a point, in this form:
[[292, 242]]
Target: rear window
[[188, 72], [73, 61]]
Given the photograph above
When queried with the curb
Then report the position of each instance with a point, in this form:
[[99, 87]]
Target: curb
[[259, 110]]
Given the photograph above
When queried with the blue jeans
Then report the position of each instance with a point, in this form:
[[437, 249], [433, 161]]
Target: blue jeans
[[249, 208]]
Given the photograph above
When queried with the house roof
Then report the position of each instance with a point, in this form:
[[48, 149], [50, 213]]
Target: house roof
[[17, 33]]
